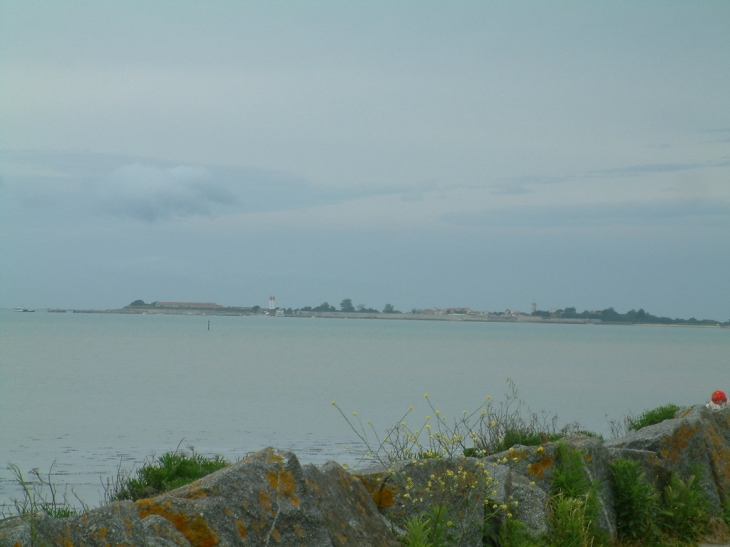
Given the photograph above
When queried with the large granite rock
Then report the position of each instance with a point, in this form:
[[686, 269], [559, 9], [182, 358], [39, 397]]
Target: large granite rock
[[698, 438], [460, 486], [269, 499], [266, 499], [535, 465], [115, 524]]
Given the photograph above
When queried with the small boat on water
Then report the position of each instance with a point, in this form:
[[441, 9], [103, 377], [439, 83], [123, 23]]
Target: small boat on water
[[22, 309]]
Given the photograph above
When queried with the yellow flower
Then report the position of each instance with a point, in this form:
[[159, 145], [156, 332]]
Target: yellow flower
[[493, 423], [489, 398], [334, 403], [410, 408], [540, 450], [425, 395], [354, 413]]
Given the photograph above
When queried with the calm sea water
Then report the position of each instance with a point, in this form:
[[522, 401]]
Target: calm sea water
[[91, 392]]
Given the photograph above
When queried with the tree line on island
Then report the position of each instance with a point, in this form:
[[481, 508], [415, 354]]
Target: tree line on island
[[608, 315], [346, 306]]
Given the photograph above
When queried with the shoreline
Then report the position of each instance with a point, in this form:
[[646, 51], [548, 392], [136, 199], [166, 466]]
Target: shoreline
[[490, 318]]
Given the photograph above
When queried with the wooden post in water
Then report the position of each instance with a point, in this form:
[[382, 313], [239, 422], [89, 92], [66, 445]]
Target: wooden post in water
[[208, 324]]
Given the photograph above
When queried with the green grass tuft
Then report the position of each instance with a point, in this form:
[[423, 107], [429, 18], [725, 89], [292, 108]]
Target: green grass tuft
[[651, 417], [171, 470]]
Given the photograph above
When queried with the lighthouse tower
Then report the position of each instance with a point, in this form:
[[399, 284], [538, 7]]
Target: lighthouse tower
[[272, 302]]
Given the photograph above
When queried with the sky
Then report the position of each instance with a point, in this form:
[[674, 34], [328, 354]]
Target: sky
[[422, 153]]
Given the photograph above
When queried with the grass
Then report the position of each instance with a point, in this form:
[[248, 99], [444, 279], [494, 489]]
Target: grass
[[40, 494], [488, 429], [636, 502], [652, 417], [169, 471], [684, 513], [679, 515], [574, 505]]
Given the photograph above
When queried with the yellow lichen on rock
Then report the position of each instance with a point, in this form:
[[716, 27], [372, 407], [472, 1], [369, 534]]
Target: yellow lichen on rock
[[195, 528], [537, 469]]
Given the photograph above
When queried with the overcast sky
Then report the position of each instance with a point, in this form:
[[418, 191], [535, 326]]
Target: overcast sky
[[481, 154]]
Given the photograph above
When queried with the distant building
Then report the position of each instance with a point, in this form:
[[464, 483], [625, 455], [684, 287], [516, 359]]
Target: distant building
[[193, 305]]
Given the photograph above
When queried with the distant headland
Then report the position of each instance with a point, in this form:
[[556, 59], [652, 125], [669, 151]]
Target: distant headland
[[347, 310]]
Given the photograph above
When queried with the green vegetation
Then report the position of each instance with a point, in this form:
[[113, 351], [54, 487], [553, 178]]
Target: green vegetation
[[680, 515], [684, 513], [636, 502], [140, 304], [610, 315], [169, 471], [488, 429], [575, 505], [651, 417], [39, 494]]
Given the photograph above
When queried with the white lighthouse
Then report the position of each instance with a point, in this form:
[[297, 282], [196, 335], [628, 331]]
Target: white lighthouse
[[272, 302]]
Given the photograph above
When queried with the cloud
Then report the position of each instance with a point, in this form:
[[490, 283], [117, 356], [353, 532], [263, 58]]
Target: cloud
[[153, 190], [651, 168], [150, 193], [657, 212]]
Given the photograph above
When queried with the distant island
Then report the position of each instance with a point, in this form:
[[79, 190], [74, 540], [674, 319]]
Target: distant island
[[608, 316]]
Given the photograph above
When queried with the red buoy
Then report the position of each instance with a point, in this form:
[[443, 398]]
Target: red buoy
[[719, 397]]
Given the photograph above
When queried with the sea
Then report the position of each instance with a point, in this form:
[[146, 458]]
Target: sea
[[85, 396]]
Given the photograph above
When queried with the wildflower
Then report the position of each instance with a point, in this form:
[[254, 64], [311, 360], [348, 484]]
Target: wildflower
[[484, 411], [540, 450], [354, 413], [370, 422], [532, 483], [334, 403], [410, 408], [425, 395], [489, 397], [493, 423]]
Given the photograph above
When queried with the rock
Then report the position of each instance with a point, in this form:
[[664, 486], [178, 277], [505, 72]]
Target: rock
[[536, 464], [269, 499], [114, 524], [459, 485], [266, 499], [531, 508], [697, 439], [350, 515]]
